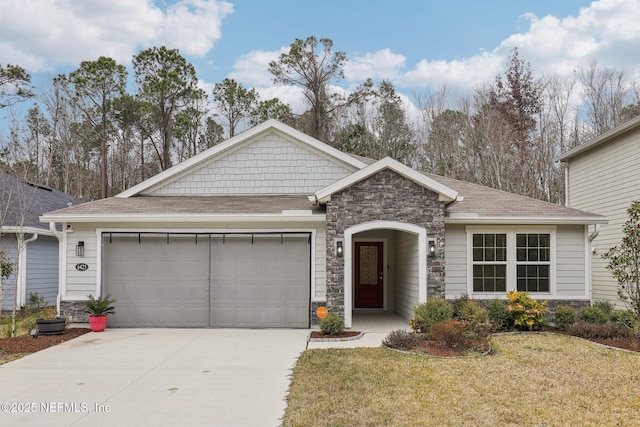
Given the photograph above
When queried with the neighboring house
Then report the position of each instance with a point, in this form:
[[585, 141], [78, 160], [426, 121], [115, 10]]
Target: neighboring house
[[31, 246], [603, 176], [265, 228]]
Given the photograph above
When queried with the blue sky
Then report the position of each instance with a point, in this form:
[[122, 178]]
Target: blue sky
[[417, 44]]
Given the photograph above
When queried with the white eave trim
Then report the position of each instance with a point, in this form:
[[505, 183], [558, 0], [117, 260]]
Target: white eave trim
[[446, 194], [625, 127], [27, 230], [285, 216], [514, 220], [212, 152]]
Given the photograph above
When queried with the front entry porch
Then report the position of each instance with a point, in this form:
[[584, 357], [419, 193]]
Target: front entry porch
[[385, 270]]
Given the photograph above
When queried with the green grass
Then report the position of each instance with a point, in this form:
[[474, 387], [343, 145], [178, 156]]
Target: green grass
[[25, 321], [532, 380]]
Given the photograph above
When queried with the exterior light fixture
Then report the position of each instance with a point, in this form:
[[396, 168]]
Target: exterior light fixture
[[432, 248], [339, 249], [80, 248]]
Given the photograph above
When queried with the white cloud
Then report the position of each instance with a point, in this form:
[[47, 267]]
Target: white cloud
[[253, 68], [382, 64], [606, 31], [43, 34]]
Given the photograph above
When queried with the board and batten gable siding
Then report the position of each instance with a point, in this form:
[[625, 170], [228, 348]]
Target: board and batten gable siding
[[42, 268], [571, 282], [605, 180], [78, 284], [272, 164]]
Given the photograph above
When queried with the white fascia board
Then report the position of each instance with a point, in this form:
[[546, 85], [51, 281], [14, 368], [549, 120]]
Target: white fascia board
[[515, 220], [446, 194], [28, 230], [215, 151], [625, 127], [149, 218]]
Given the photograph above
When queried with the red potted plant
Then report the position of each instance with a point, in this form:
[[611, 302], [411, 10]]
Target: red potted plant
[[99, 310]]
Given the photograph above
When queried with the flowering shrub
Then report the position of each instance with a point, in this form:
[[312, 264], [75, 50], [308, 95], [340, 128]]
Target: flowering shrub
[[525, 311]]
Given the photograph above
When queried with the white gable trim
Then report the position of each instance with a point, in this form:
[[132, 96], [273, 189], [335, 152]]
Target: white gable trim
[[220, 149], [445, 193]]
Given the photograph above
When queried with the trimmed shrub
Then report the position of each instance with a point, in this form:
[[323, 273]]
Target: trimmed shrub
[[605, 306], [499, 315], [428, 313], [400, 339], [472, 312], [525, 311], [332, 324], [600, 331], [624, 317], [565, 317], [592, 315]]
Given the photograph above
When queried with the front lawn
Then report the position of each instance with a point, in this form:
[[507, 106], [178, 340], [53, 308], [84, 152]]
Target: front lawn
[[532, 380]]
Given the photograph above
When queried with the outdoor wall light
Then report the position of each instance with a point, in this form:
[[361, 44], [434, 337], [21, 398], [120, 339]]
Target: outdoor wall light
[[80, 248], [339, 249], [432, 248]]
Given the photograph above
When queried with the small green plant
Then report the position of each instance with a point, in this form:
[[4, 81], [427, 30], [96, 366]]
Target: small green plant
[[565, 316], [428, 313], [525, 311], [332, 324], [35, 302], [401, 340], [624, 317], [472, 312], [499, 315], [99, 306], [592, 315], [605, 306]]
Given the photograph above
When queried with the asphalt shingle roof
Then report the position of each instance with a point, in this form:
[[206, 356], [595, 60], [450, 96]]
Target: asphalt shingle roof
[[155, 205], [23, 202]]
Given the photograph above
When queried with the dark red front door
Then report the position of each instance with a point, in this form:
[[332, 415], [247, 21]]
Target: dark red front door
[[369, 289]]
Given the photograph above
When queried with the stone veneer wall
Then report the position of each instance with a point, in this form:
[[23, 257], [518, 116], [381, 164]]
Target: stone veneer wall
[[73, 311], [385, 196]]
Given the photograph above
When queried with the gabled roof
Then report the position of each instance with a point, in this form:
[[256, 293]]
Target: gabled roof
[[220, 149], [445, 193], [601, 139], [22, 202]]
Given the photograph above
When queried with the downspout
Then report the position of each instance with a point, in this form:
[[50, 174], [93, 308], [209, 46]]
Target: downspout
[[594, 234], [59, 236]]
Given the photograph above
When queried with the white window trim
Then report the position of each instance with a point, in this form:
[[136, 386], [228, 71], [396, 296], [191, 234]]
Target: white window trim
[[511, 232]]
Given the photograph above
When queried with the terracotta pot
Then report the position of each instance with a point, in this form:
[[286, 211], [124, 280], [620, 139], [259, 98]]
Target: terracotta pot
[[98, 323]]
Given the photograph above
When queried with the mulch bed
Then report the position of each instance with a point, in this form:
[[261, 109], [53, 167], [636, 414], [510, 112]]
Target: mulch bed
[[28, 344]]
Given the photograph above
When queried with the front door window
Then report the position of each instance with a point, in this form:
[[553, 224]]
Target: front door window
[[369, 275]]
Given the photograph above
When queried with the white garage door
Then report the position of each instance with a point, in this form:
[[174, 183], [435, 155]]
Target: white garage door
[[189, 280]]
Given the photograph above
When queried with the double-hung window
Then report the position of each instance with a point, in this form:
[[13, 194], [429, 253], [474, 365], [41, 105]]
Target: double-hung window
[[505, 259]]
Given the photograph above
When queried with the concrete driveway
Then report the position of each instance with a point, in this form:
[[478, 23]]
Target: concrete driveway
[[152, 377]]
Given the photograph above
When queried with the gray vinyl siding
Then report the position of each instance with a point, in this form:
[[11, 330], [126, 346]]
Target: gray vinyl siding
[[570, 261], [42, 268], [272, 164], [606, 180], [455, 261], [8, 245], [406, 274]]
